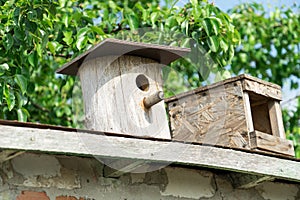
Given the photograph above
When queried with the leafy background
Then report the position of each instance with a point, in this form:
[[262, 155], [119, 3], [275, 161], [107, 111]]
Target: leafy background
[[39, 36]]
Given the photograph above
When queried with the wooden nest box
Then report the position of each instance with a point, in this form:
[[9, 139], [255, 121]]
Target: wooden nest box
[[122, 86], [240, 112]]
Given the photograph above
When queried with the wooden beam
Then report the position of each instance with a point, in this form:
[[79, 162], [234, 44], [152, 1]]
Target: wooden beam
[[264, 141], [99, 145]]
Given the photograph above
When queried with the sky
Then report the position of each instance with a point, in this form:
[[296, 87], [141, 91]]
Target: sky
[[227, 4]]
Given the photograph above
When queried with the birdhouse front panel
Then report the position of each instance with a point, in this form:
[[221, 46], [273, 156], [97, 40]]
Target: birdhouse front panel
[[114, 88], [240, 112], [213, 116]]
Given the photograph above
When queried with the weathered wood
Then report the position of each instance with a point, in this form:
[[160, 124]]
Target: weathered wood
[[113, 92], [260, 87], [214, 116], [153, 99], [276, 119], [263, 141], [245, 181], [266, 86], [101, 146], [225, 112], [248, 112], [161, 53], [9, 154]]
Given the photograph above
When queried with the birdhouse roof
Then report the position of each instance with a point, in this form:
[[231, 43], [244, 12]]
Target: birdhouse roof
[[160, 53]]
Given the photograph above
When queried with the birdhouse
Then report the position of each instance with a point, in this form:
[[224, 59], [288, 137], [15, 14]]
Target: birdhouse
[[240, 112], [122, 86]]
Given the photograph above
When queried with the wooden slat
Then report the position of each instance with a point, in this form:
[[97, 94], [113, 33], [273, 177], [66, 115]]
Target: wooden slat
[[85, 144], [263, 141], [276, 119], [250, 85], [261, 88], [248, 112]]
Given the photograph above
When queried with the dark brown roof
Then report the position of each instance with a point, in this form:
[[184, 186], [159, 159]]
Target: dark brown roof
[[161, 53]]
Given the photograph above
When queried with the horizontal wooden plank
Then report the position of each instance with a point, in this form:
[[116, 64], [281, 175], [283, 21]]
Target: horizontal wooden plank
[[250, 83], [99, 145], [262, 88], [263, 141]]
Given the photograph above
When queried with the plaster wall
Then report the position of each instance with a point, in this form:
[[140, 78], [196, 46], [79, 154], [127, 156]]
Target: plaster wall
[[50, 177]]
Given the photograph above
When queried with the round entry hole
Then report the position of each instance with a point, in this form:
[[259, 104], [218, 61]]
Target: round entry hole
[[142, 82]]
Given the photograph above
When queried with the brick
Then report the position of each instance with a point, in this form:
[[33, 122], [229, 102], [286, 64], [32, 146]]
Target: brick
[[31, 195]]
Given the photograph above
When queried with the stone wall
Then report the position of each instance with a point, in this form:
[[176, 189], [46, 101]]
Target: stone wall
[[49, 177]]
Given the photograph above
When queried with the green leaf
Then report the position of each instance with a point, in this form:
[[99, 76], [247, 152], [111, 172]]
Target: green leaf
[[194, 2], [223, 44], [53, 46], [154, 16], [133, 21], [81, 42], [9, 97], [211, 26], [82, 32], [68, 37], [213, 43], [22, 114], [33, 59], [171, 22], [97, 30], [1, 94], [8, 41], [4, 67], [112, 4], [21, 82], [66, 20]]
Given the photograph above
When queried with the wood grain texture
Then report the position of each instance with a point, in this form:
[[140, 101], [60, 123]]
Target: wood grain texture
[[245, 79], [101, 146], [263, 141], [215, 116], [114, 103], [260, 87], [248, 112], [276, 119]]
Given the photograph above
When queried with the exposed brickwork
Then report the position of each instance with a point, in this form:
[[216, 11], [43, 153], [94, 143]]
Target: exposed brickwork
[[30, 195]]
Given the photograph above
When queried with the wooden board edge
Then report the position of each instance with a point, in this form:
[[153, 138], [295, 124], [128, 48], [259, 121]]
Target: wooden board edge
[[266, 142], [262, 89]]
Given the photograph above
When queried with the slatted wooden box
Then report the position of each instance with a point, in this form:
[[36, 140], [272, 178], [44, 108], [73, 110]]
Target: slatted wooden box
[[240, 112]]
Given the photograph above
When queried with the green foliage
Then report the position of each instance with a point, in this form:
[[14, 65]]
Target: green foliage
[[37, 37], [270, 49]]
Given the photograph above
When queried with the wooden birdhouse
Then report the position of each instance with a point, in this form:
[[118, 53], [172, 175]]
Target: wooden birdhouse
[[122, 86], [241, 112]]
